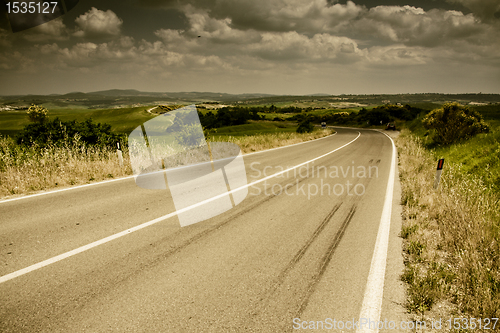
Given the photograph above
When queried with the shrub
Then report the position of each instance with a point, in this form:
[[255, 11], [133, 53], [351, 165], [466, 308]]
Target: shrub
[[305, 126], [60, 132], [454, 122], [190, 136], [37, 114]]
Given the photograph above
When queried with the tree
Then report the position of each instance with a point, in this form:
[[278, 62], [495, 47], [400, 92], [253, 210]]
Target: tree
[[37, 113], [454, 122]]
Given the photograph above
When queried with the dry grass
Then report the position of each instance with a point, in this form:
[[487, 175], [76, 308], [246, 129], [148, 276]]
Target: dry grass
[[249, 144], [29, 169], [451, 238]]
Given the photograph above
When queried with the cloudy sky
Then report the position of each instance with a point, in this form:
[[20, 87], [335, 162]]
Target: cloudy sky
[[258, 46]]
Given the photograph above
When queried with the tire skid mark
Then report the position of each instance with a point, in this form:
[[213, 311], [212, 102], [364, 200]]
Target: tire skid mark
[[325, 261], [306, 246], [267, 295], [165, 255], [176, 249], [281, 277], [215, 227]]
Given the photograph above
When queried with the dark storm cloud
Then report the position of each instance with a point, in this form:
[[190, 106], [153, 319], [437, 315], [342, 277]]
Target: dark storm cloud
[[486, 10], [157, 3]]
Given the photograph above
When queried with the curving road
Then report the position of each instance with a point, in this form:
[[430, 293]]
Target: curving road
[[275, 261]]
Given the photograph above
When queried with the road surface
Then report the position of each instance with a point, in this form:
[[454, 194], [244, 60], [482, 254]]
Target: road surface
[[275, 260]]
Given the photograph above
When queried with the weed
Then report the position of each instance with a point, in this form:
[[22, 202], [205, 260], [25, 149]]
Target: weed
[[408, 230]]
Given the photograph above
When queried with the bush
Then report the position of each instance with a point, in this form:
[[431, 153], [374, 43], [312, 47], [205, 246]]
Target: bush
[[305, 126], [190, 136], [454, 122], [60, 132], [37, 114]]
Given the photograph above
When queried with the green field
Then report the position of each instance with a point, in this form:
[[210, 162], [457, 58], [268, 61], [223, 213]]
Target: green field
[[127, 119], [122, 120]]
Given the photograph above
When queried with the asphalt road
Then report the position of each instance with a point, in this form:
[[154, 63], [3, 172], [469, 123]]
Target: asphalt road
[[274, 257]]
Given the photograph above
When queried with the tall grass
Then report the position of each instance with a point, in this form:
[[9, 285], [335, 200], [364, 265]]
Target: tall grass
[[452, 237], [30, 169], [258, 142]]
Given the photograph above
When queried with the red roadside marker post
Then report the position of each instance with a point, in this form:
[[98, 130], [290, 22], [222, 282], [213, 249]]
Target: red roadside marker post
[[438, 172]]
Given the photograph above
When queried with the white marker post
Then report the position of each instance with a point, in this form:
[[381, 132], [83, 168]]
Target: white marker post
[[120, 156], [438, 173]]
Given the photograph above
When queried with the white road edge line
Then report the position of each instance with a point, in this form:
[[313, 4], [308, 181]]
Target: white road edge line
[[372, 301], [149, 223], [130, 177]]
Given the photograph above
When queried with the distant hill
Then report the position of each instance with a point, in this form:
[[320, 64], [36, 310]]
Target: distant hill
[[115, 98], [119, 92]]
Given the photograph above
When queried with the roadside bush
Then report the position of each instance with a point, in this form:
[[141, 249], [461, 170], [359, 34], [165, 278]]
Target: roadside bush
[[305, 126], [59, 132], [190, 136], [454, 122]]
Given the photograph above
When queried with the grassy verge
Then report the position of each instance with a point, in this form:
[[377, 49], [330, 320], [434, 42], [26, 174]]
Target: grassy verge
[[255, 128], [451, 235], [264, 141], [29, 169]]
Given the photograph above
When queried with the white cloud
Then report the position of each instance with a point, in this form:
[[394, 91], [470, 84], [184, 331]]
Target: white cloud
[[413, 26], [170, 35], [98, 23], [80, 54], [397, 56], [216, 30], [48, 48], [52, 30], [126, 42], [293, 46]]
